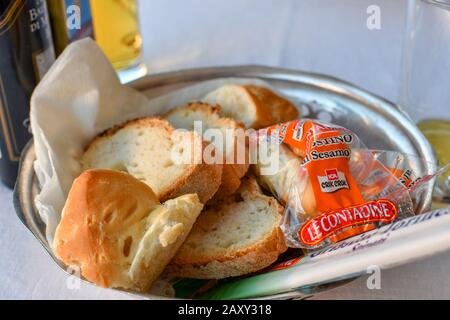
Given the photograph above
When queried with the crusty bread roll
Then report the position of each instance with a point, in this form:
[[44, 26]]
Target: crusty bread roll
[[114, 229], [145, 148], [211, 117], [234, 238], [255, 106]]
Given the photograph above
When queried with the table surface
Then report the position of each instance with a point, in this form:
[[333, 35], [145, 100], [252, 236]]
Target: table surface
[[320, 36]]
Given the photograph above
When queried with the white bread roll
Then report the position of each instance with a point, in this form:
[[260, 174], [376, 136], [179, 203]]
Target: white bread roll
[[114, 229]]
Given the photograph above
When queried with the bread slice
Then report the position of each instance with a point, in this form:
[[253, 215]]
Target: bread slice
[[212, 118], [235, 238], [146, 148], [115, 231], [280, 109], [255, 106]]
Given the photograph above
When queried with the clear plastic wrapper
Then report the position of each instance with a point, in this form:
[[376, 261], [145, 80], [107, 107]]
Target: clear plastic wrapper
[[332, 186]]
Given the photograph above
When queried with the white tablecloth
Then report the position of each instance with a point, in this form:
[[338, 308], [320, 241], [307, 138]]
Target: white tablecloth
[[322, 36]]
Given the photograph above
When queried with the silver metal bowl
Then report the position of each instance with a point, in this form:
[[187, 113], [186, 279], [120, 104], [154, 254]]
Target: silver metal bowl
[[378, 122]]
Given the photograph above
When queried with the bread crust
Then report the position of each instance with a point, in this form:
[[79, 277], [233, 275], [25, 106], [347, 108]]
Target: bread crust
[[247, 261], [271, 108], [264, 107], [214, 111], [204, 180], [139, 122]]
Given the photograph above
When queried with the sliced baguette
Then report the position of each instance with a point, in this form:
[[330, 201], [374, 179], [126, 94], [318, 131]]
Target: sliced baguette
[[145, 149], [280, 109], [255, 106], [115, 231], [211, 118], [234, 238]]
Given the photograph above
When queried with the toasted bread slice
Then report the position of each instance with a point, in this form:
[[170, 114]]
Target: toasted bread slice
[[210, 117], [234, 238], [114, 229], [255, 106], [145, 148]]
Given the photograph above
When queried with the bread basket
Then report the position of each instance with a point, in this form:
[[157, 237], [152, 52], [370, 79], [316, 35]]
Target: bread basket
[[379, 123]]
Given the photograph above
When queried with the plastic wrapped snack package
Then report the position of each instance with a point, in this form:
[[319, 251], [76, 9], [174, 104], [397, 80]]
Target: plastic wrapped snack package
[[332, 186]]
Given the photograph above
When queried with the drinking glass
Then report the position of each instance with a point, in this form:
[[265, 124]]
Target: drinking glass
[[425, 93]]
